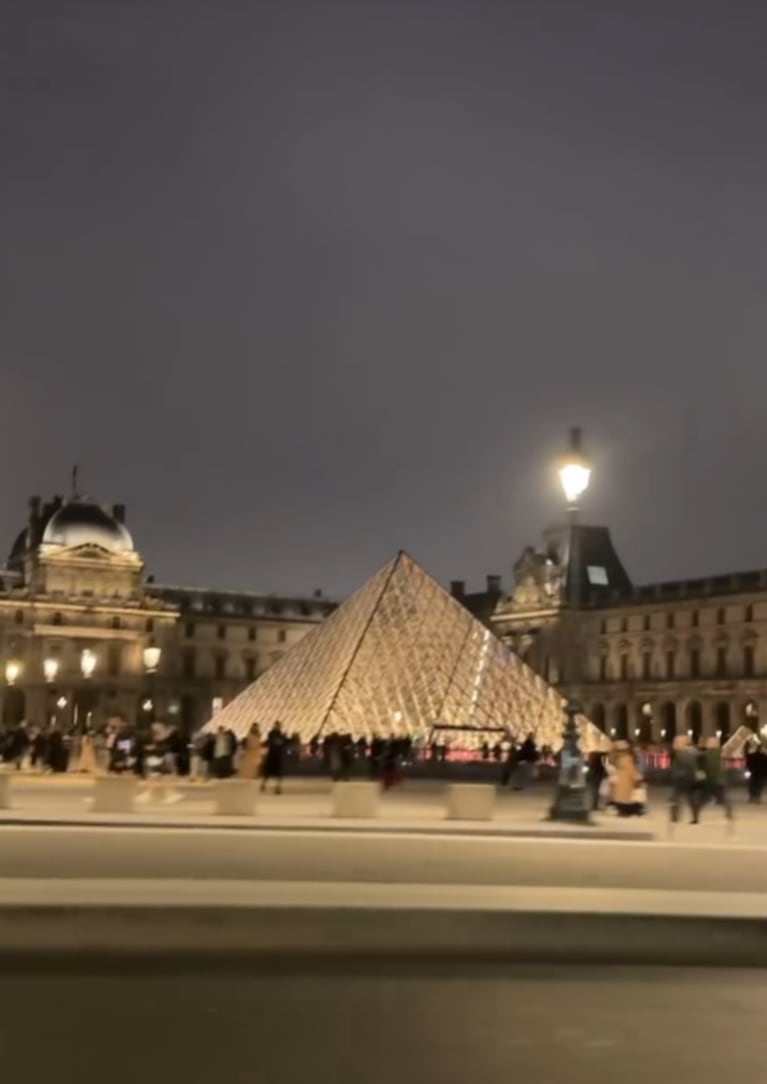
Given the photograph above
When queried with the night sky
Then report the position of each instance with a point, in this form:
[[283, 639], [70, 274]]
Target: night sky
[[304, 283]]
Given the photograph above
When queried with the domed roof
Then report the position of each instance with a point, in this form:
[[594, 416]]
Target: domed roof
[[82, 522]]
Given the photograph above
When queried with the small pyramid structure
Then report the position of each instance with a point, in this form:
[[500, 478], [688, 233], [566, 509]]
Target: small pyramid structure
[[397, 657]]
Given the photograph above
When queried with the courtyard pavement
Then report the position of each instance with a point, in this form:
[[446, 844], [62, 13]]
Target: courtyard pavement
[[416, 806]]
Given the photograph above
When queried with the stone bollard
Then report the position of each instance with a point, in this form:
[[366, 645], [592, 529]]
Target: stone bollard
[[235, 797], [470, 801], [5, 790], [114, 793], [356, 800]]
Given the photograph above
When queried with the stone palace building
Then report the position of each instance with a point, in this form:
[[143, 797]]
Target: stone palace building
[[85, 636], [646, 662]]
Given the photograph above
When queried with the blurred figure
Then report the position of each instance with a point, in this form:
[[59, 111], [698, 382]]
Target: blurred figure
[[253, 755], [627, 780], [377, 750], [511, 768], [686, 778], [596, 773], [58, 758], [87, 760], [223, 753], [756, 763], [527, 758], [715, 783], [274, 762], [391, 775]]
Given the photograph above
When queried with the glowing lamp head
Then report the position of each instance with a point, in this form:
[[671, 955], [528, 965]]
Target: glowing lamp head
[[87, 662], [151, 658], [12, 671], [574, 470], [50, 668]]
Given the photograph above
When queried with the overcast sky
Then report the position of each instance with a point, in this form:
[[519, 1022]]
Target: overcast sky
[[306, 282]]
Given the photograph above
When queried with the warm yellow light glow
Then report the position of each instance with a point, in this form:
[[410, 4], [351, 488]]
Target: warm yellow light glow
[[575, 481], [12, 671], [87, 662], [50, 668], [152, 658], [574, 470], [61, 702], [147, 705]]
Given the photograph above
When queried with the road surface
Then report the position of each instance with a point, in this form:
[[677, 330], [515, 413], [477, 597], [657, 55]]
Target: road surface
[[552, 1026]]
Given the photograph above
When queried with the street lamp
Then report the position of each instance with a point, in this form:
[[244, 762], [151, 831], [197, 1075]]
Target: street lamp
[[152, 655], [574, 471], [50, 669], [87, 662], [61, 703], [570, 799], [12, 671], [574, 476]]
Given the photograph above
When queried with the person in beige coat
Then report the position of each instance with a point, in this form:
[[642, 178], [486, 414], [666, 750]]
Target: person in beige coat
[[88, 761], [250, 762], [626, 779]]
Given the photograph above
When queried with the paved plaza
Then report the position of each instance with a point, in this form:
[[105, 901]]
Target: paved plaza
[[418, 805]]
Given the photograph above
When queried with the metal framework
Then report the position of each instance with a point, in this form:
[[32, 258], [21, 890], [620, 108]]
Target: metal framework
[[398, 657]]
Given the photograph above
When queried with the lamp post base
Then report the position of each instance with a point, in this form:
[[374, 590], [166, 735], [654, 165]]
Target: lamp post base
[[570, 804]]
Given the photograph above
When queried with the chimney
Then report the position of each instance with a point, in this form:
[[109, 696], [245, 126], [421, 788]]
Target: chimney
[[318, 593], [458, 588], [33, 523], [493, 585], [118, 512]]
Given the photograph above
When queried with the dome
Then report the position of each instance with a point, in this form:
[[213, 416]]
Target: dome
[[81, 522]]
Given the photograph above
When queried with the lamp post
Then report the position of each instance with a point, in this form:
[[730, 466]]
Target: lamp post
[[87, 662], [12, 671], [571, 798], [152, 656], [574, 476]]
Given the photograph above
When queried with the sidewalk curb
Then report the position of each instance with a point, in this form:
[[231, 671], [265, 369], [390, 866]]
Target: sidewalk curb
[[233, 938], [332, 825]]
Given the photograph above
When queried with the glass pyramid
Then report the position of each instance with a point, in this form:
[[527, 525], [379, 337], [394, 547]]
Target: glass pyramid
[[398, 657]]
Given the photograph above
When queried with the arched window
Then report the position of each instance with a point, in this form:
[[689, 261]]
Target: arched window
[[694, 720], [622, 722], [668, 721], [723, 719], [597, 715]]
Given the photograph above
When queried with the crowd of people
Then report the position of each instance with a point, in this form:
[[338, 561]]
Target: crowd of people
[[698, 777], [614, 779]]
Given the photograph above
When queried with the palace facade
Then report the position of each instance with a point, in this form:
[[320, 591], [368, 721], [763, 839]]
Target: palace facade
[[85, 635], [646, 662]]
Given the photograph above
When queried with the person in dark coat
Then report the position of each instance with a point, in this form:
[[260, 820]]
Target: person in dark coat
[[58, 759], [274, 761], [377, 750], [756, 763], [596, 773]]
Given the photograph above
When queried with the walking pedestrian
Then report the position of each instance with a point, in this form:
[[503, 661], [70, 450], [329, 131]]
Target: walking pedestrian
[[274, 762], [253, 755], [687, 778], [715, 783], [627, 780], [596, 773]]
